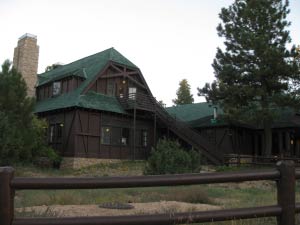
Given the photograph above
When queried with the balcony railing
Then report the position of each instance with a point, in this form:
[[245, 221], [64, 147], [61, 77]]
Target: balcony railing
[[137, 100]]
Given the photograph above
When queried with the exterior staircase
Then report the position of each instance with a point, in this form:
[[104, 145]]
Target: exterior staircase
[[190, 136], [179, 128]]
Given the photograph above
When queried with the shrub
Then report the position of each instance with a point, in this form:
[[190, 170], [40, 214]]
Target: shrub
[[170, 158]]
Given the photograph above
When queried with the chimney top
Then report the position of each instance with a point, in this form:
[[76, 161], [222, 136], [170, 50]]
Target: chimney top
[[28, 35]]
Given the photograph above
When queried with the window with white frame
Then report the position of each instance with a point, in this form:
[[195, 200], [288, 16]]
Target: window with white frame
[[132, 93], [56, 88]]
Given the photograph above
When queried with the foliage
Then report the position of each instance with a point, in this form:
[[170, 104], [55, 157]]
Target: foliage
[[22, 134], [52, 67], [255, 73], [183, 93], [170, 158], [162, 104]]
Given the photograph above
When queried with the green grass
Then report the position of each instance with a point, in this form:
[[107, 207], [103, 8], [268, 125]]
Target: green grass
[[226, 195], [191, 194], [122, 168]]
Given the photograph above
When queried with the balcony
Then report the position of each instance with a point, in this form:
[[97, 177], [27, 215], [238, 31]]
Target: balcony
[[137, 101]]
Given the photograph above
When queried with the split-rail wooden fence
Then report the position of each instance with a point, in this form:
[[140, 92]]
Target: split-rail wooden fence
[[284, 174]]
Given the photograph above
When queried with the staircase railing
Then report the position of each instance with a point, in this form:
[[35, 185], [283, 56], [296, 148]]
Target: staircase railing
[[189, 135]]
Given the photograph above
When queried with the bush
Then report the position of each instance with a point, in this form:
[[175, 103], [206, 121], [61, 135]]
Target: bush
[[170, 158]]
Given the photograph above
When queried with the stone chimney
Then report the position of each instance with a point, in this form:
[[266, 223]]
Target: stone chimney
[[26, 56]]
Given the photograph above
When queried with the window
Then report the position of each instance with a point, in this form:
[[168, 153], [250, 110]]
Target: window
[[51, 135], [132, 93], [55, 133], [115, 136], [125, 136], [110, 88], [105, 135], [56, 89], [144, 138]]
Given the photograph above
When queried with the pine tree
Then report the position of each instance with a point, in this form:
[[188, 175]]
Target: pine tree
[[255, 73], [21, 133], [183, 93]]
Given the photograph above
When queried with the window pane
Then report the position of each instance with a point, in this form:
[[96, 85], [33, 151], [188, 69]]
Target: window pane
[[116, 136], [144, 138], [58, 132], [125, 136], [105, 135], [56, 88], [132, 93], [51, 133]]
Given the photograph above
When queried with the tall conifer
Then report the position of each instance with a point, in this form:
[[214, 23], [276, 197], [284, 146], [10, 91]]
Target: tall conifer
[[183, 93], [255, 72]]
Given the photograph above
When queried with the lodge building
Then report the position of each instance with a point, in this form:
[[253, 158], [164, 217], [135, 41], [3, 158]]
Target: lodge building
[[100, 107]]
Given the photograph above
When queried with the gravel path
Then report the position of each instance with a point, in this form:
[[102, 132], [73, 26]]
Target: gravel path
[[139, 208]]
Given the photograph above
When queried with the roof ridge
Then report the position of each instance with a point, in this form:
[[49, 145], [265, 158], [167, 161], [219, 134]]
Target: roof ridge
[[76, 61], [184, 105]]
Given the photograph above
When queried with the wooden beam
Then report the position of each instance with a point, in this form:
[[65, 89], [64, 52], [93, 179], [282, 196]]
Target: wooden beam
[[96, 78], [117, 68], [120, 74], [136, 82], [113, 75]]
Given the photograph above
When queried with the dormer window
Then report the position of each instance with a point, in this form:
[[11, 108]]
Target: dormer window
[[56, 89]]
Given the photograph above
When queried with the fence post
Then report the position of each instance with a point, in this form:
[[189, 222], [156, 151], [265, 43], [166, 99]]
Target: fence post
[[286, 192], [6, 196]]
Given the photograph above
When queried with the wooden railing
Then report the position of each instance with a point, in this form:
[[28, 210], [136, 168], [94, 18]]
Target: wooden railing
[[190, 135], [194, 138], [238, 159], [137, 100], [285, 209]]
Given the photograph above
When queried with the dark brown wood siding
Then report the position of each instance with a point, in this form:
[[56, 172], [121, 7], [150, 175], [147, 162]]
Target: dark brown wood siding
[[64, 119], [67, 84], [88, 136], [232, 140]]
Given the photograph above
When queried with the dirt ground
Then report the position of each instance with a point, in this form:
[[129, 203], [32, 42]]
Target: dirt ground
[[138, 209]]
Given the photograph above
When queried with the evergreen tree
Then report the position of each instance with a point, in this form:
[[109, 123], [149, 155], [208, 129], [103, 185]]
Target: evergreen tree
[[256, 73], [183, 93], [21, 133]]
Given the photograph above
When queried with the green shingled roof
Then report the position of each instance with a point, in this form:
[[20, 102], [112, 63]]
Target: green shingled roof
[[190, 112], [91, 100], [88, 68], [200, 115]]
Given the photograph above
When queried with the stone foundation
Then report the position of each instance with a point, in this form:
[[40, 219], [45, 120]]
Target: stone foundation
[[76, 163]]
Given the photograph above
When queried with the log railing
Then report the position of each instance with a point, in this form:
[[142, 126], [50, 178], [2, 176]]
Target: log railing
[[284, 174]]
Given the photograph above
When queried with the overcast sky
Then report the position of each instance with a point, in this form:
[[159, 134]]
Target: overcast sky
[[169, 40]]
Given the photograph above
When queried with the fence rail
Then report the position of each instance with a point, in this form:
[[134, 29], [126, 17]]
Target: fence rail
[[284, 174], [238, 159]]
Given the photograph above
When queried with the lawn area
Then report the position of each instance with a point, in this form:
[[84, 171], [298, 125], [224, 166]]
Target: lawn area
[[230, 195]]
